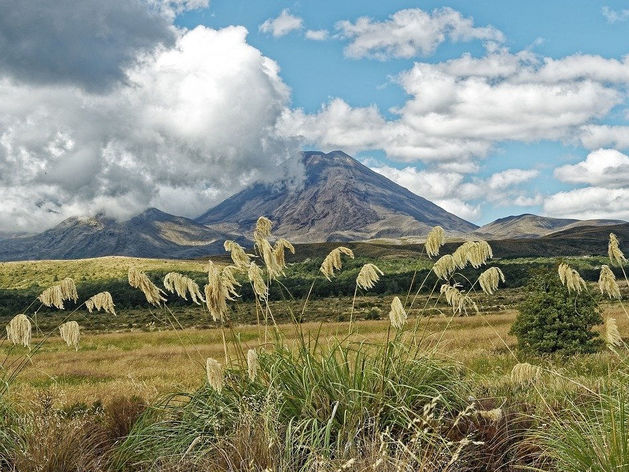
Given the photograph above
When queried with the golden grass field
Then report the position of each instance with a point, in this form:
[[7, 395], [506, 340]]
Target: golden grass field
[[152, 364]]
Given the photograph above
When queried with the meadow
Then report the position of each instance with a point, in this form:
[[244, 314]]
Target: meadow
[[386, 360]]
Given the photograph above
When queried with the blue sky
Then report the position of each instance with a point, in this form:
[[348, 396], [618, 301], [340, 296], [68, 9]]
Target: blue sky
[[318, 71], [487, 108]]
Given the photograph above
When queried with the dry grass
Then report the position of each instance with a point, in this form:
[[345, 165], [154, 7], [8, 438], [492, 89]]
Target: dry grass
[[152, 364]]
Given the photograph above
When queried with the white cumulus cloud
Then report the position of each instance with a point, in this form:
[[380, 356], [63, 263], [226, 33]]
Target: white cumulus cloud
[[282, 25], [411, 32], [196, 123]]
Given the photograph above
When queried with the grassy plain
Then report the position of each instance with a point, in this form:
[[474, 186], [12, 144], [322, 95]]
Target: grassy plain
[[154, 363]]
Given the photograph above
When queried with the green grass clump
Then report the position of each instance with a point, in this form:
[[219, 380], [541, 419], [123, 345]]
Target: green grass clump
[[311, 403]]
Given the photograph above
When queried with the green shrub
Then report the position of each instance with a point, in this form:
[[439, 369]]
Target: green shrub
[[551, 319]]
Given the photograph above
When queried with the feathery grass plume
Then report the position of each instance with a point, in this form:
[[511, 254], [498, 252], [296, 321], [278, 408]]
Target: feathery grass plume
[[68, 289], [256, 277], [19, 331], [214, 371], [270, 261], [607, 283], [70, 334], [263, 228], [524, 373], [397, 315], [220, 288], [444, 267], [52, 296], [368, 276], [229, 282], [457, 299], [139, 280], [278, 252], [612, 335], [182, 285], [490, 279], [613, 249], [239, 256], [252, 364], [436, 238], [475, 252], [333, 261], [571, 278], [101, 301]]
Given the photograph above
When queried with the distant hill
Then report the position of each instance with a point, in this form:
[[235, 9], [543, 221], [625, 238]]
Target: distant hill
[[533, 226], [153, 233], [340, 200]]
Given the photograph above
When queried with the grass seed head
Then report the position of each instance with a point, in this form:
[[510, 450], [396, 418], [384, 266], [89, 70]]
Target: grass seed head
[[68, 289], [459, 302], [101, 301], [70, 333], [476, 253], [397, 315], [52, 296], [490, 279], [252, 364], [240, 258], [436, 238], [263, 229], [607, 283], [368, 276], [19, 331], [221, 287], [333, 261], [214, 371], [615, 254], [612, 335], [256, 277], [278, 252], [139, 280], [444, 267], [524, 373], [571, 278], [182, 285]]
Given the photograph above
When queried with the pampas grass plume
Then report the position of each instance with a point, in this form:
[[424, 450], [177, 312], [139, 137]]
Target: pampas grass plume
[[333, 261], [19, 331], [70, 333], [444, 267], [368, 276], [252, 364], [436, 238], [214, 371], [256, 277], [182, 285], [101, 301], [570, 278], [490, 279], [607, 283], [612, 335], [615, 254], [52, 296], [397, 315], [239, 256], [139, 280]]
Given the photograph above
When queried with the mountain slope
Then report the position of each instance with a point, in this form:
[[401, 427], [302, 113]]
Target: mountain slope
[[340, 200], [151, 234], [533, 226]]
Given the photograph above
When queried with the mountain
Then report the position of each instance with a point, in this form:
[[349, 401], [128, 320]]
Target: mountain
[[153, 233], [533, 226], [340, 200]]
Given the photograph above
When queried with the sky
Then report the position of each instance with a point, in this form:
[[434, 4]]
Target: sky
[[487, 108]]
